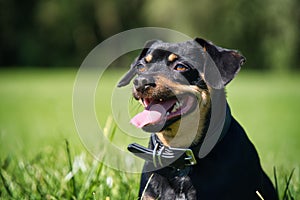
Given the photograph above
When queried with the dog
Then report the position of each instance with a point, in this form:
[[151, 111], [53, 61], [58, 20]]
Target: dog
[[175, 83]]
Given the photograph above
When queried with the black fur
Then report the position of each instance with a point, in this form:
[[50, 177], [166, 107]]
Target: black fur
[[179, 187], [231, 171]]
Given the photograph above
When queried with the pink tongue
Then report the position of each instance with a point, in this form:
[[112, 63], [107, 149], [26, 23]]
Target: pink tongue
[[153, 114]]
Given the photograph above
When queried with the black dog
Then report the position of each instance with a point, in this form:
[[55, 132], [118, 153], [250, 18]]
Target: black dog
[[175, 83]]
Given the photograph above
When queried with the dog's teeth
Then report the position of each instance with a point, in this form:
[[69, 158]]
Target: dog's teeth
[[173, 110], [168, 113], [160, 100], [176, 107]]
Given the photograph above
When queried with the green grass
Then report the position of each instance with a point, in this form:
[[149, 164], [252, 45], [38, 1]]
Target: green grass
[[36, 120]]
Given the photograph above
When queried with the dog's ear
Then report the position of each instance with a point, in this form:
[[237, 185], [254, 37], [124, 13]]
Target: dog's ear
[[132, 71], [227, 61]]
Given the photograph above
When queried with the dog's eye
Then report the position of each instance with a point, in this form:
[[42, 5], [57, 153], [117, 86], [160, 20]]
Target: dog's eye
[[141, 68], [181, 68]]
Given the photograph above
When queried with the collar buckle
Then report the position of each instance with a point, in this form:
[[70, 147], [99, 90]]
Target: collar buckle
[[162, 156], [187, 155], [190, 157]]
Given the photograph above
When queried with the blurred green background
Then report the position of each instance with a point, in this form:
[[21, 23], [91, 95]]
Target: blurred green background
[[51, 33], [43, 43]]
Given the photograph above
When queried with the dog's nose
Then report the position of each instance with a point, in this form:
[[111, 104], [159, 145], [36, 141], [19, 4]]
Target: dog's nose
[[143, 83]]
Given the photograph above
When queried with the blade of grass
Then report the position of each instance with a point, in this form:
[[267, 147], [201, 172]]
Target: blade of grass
[[110, 128], [6, 162], [288, 181], [6, 185], [71, 169], [290, 195], [112, 134], [94, 195], [92, 178], [40, 190], [259, 195], [19, 179], [276, 181]]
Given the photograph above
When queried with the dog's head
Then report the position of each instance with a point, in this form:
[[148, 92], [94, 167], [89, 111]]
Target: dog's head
[[173, 79]]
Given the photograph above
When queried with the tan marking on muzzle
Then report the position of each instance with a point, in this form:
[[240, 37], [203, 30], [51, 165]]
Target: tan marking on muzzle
[[175, 138]]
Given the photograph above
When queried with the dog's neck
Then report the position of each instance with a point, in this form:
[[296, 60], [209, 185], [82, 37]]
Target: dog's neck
[[188, 131]]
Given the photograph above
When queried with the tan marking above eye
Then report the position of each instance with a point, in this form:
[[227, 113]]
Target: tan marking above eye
[[148, 58], [172, 57]]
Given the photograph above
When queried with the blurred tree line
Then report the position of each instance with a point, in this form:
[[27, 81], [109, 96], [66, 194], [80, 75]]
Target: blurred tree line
[[62, 32]]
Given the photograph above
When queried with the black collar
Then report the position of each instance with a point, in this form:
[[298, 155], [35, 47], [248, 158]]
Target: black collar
[[180, 159]]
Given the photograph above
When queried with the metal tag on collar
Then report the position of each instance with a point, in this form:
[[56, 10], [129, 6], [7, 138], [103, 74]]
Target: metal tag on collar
[[154, 155], [189, 155], [157, 154]]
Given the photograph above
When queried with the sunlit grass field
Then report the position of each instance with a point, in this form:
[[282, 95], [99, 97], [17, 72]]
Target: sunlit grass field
[[39, 143]]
